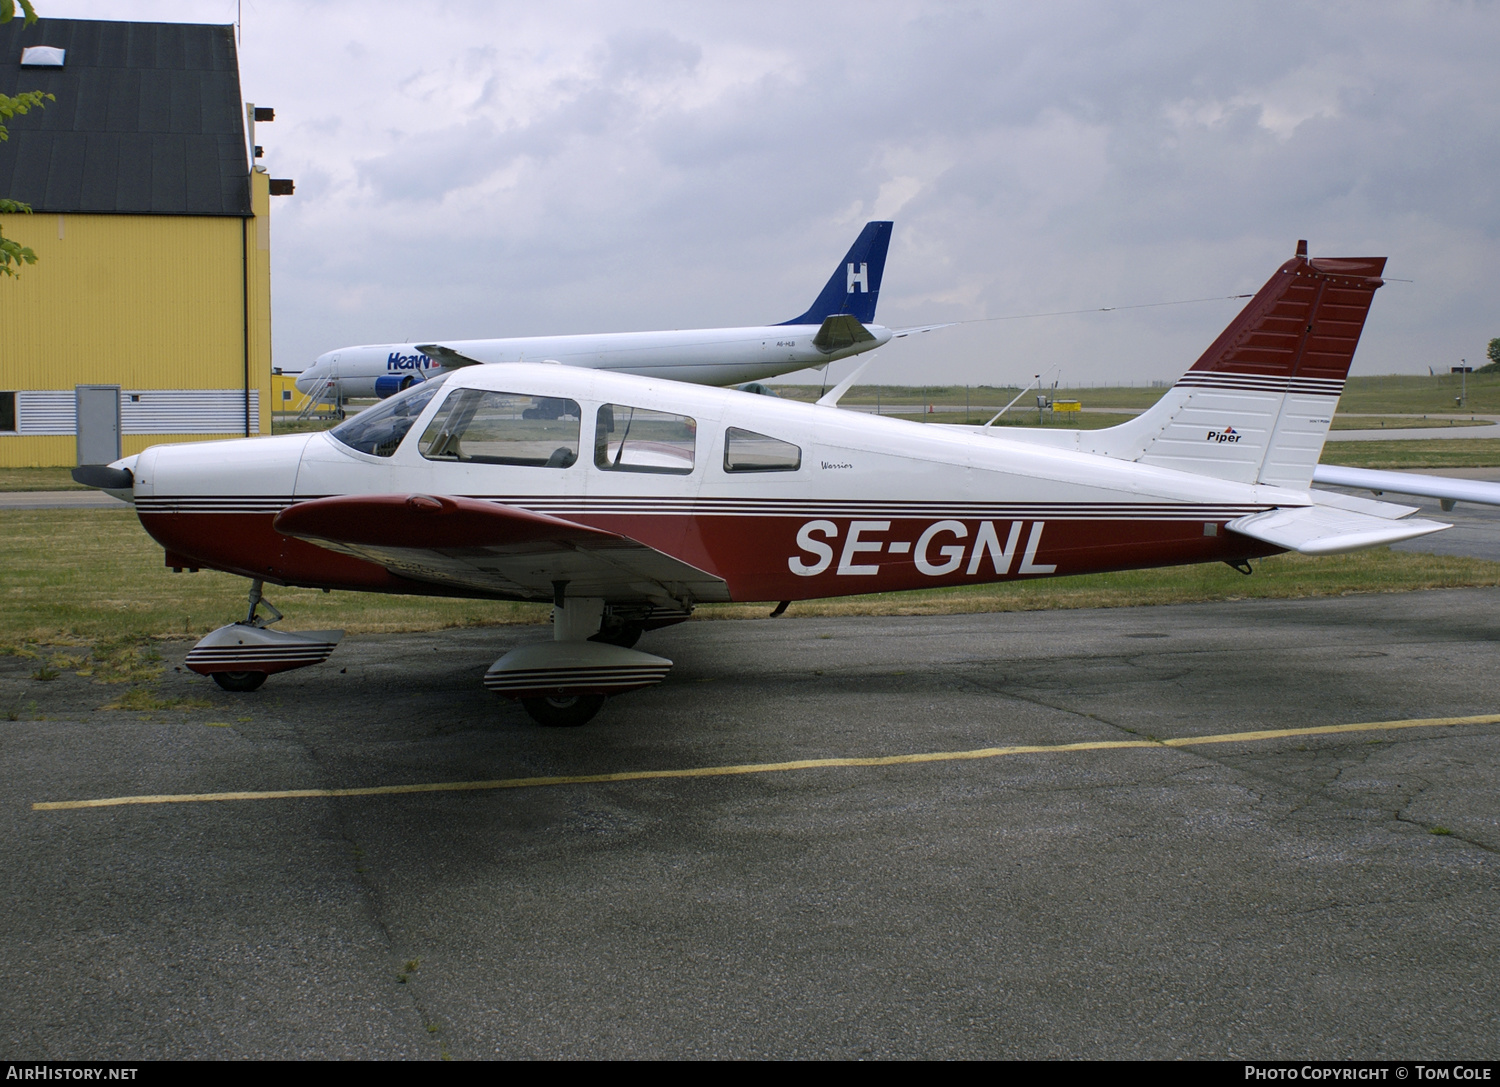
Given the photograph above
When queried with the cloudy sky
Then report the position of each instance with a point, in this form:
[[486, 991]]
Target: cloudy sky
[[492, 169]]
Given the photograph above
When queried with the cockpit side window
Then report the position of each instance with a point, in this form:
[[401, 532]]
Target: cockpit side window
[[747, 451], [480, 427], [628, 439], [379, 430]]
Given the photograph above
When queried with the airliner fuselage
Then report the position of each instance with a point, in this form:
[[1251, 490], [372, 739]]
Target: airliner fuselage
[[704, 356]]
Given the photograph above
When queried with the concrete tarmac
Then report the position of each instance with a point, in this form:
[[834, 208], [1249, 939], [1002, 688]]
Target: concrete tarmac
[[1305, 896], [1476, 528]]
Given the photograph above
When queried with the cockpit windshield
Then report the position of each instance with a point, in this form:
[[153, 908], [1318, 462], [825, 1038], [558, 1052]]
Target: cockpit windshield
[[379, 430]]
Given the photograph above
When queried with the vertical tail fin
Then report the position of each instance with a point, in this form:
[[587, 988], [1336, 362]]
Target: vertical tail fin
[[1256, 407], [855, 286]]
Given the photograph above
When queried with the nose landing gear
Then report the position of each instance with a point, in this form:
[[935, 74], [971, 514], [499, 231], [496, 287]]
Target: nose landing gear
[[240, 656]]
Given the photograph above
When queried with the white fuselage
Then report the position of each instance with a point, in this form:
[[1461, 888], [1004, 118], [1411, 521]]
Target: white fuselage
[[704, 356], [865, 504]]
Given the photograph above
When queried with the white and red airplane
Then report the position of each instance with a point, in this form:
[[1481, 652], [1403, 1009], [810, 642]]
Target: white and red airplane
[[626, 501]]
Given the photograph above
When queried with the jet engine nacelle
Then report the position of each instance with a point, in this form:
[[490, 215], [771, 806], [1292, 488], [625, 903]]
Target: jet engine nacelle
[[391, 384]]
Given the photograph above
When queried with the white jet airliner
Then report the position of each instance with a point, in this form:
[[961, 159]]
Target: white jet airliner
[[837, 325]]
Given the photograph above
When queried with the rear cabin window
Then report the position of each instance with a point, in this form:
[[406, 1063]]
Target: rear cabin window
[[630, 439], [478, 427], [747, 451], [379, 430]]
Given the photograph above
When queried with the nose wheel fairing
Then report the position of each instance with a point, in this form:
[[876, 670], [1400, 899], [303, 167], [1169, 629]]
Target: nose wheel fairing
[[240, 656], [241, 647]]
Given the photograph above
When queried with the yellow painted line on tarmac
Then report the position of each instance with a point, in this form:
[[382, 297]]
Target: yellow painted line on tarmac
[[767, 767]]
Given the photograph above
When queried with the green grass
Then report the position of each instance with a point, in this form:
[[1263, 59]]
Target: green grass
[[82, 576], [1431, 453], [292, 425], [1281, 577], [1013, 418], [1401, 422], [1399, 393], [38, 479], [93, 578], [1392, 394], [996, 397]]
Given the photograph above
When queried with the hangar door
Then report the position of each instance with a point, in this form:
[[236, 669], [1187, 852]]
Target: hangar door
[[98, 416]]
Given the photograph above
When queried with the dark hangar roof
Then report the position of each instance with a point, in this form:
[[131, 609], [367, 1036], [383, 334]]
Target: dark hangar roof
[[148, 120]]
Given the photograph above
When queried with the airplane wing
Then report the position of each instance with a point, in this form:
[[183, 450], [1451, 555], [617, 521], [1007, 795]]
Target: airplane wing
[[1447, 490], [896, 335], [450, 358], [1329, 529], [486, 546]]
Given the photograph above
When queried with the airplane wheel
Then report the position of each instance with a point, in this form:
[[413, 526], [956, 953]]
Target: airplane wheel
[[563, 711], [624, 635], [239, 682]]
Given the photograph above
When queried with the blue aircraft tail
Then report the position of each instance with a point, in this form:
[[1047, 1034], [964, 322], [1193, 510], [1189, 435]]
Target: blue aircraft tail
[[855, 286]]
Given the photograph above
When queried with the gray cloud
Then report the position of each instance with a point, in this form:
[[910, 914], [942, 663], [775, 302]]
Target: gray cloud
[[493, 171]]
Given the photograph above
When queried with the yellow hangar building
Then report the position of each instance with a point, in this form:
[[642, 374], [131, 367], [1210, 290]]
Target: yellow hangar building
[[147, 317]]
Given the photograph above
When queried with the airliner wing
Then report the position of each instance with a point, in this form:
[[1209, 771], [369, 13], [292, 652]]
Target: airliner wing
[[450, 358], [1440, 487], [469, 544]]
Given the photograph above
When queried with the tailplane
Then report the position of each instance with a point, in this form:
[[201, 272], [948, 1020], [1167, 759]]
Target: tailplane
[[855, 286], [1256, 407]]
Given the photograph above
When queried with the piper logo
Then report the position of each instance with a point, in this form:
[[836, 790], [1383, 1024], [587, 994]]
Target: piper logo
[[862, 277], [1228, 434]]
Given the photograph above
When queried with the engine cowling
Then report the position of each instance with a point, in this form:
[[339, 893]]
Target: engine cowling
[[391, 384]]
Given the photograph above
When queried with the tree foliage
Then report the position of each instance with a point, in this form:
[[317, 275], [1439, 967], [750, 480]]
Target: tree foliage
[[13, 254], [1494, 354]]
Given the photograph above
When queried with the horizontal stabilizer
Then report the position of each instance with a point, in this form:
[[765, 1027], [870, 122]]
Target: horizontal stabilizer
[[1324, 530], [1449, 490], [840, 331], [915, 329], [450, 358]]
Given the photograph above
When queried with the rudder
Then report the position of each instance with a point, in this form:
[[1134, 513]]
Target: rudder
[[854, 287], [1257, 405]]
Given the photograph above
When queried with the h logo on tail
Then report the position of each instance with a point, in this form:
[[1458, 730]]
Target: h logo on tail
[[854, 287]]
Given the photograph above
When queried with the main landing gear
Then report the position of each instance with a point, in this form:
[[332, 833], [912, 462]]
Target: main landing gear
[[240, 656], [563, 683]]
